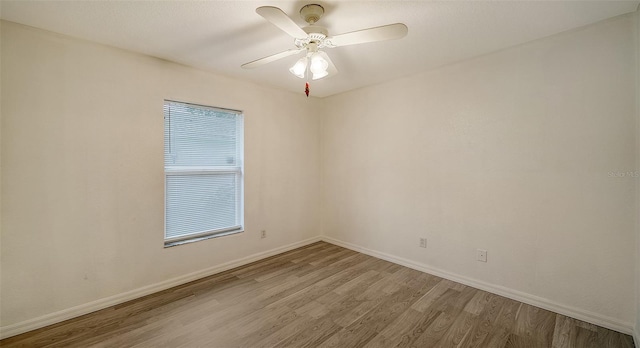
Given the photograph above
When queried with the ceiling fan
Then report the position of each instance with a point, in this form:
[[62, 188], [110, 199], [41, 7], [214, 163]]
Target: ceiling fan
[[312, 38]]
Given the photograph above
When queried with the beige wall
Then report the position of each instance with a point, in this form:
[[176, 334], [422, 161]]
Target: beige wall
[[515, 152], [82, 158]]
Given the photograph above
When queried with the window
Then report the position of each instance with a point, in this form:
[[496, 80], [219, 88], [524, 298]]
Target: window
[[203, 172]]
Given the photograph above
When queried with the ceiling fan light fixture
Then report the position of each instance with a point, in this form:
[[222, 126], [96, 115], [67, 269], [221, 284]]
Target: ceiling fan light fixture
[[299, 68], [313, 37]]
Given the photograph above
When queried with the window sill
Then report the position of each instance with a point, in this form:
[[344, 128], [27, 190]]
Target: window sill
[[197, 239]]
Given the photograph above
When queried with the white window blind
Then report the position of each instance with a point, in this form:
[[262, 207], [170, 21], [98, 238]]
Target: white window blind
[[203, 171]]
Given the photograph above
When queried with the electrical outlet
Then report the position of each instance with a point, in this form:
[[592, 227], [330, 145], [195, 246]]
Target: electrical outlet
[[263, 234], [481, 255], [423, 242]]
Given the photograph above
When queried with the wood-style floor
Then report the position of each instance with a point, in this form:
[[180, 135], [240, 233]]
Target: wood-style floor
[[322, 295]]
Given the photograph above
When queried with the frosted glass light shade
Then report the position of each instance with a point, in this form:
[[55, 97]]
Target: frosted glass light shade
[[320, 75], [318, 64], [299, 68]]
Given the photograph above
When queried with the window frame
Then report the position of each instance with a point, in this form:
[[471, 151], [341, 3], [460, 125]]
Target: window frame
[[238, 170]]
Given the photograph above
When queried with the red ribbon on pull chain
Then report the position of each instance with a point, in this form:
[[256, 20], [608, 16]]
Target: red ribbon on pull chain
[[306, 89]]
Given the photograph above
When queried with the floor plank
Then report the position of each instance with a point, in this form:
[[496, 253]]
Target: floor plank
[[322, 295]]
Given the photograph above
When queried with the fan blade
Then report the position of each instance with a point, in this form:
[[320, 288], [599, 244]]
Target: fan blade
[[331, 69], [385, 32], [282, 21], [268, 59]]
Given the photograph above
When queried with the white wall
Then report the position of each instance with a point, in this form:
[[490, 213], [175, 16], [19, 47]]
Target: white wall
[[82, 171], [510, 152]]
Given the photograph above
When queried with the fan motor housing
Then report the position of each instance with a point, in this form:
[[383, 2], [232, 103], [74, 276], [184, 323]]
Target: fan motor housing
[[316, 32]]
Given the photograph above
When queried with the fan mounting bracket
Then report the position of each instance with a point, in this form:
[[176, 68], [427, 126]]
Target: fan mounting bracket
[[311, 13]]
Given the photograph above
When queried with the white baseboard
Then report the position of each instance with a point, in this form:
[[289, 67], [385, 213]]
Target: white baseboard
[[590, 317], [56, 317]]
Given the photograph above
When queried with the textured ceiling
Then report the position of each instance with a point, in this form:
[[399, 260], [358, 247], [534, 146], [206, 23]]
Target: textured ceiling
[[219, 36]]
